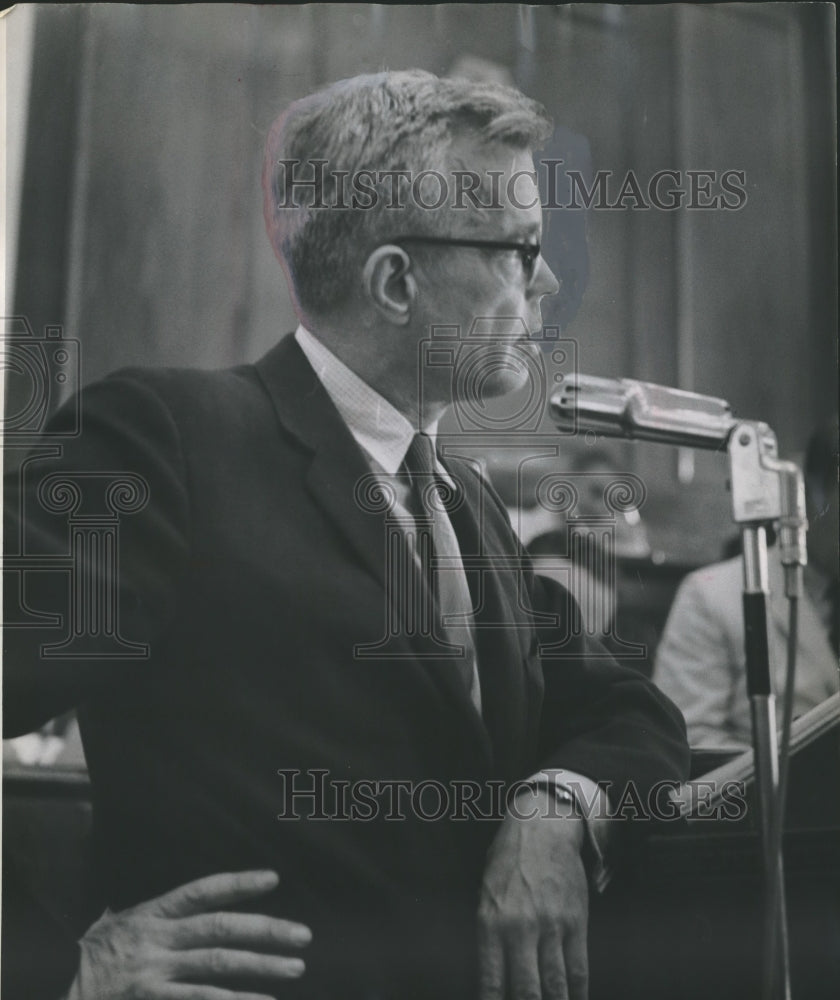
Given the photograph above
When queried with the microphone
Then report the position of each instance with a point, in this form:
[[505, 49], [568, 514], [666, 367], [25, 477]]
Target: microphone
[[644, 411], [763, 488]]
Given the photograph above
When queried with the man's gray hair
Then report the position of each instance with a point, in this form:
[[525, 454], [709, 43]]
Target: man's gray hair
[[371, 125]]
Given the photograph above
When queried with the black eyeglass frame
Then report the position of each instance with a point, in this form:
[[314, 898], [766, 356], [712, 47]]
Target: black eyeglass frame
[[534, 249]]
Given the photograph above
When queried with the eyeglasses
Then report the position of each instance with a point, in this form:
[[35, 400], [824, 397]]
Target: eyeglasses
[[528, 252]]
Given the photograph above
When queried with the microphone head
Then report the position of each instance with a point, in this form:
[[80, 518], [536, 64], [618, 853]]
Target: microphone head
[[641, 410], [589, 402]]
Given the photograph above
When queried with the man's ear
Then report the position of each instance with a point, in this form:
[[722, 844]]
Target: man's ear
[[389, 283]]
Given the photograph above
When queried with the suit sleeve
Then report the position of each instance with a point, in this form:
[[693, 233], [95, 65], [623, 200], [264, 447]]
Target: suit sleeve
[[600, 719], [96, 543], [694, 665]]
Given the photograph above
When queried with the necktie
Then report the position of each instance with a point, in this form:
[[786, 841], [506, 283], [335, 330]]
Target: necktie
[[440, 559]]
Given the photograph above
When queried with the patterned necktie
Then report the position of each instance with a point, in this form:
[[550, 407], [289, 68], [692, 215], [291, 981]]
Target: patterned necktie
[[440, 559]]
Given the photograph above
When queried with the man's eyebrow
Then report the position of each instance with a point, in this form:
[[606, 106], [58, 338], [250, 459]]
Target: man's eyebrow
[[528, 234], [522, 231]]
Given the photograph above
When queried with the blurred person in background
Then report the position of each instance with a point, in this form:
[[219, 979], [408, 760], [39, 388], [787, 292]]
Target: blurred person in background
[[592, 476], [588, 543]]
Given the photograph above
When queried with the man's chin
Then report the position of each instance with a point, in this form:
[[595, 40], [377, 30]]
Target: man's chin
[[505, 380], [497, 369]]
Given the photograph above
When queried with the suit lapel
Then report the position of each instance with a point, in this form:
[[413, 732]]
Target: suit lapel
[[340, 483]]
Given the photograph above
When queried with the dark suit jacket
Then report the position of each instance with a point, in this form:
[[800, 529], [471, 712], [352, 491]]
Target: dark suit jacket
[[252, 573]]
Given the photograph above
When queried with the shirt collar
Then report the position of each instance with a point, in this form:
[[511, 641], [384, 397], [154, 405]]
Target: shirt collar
[[378, 426]]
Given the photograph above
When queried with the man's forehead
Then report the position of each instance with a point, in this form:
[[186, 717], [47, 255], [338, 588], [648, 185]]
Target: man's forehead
[[468, 152], [476, 151], [507, 180]]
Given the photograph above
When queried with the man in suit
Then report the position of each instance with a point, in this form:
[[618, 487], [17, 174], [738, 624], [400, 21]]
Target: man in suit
[[253, 571], [700, 662]]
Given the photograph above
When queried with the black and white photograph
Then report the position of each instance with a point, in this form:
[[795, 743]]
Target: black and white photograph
[[421, 576]]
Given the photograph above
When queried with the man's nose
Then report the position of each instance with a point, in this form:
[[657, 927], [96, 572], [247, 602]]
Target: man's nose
[[545, 280]]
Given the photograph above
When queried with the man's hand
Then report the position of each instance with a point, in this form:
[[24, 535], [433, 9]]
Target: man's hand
[[534, 905], [175, 947]]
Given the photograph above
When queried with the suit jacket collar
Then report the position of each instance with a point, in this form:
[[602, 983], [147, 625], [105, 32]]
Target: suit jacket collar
[[303, 406], [338, 468], [376, 424]]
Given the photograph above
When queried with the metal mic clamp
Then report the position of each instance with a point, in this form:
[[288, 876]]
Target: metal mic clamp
[[764, 489]]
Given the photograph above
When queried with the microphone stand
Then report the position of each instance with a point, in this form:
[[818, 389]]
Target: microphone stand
[[764, 489]]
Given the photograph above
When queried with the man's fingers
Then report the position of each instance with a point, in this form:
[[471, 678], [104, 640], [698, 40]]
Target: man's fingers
[[553, 968], [577, 964], [211, 893], [205, 964], [491, 968], [523, 967], [244, 930]]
